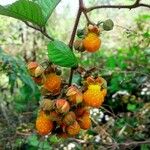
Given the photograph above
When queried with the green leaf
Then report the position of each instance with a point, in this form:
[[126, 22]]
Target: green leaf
[[131, 107], [44, 145], [53, 139], [60, 54], [36, 11], [24, 10], [33, 140], [91, 132], [47, 7], [111, 62]]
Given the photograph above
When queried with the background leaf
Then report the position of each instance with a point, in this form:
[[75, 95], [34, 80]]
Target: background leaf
[[60, 54]]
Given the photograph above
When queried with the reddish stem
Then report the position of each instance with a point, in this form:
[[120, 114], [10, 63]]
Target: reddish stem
[[74, 33]]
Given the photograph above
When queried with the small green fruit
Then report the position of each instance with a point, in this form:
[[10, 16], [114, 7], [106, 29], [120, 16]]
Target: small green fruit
[[108, 25]]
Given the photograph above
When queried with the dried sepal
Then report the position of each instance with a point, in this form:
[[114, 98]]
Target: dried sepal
[[47, 105], [75, 96]]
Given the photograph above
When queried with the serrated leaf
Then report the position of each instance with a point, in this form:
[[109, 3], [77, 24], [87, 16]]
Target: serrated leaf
[[35, 11], [60, 54], [24, 10], [47, 7], [54, 139], [33, 140]]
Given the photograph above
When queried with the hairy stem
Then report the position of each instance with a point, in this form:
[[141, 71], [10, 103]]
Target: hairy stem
[[43, 31]]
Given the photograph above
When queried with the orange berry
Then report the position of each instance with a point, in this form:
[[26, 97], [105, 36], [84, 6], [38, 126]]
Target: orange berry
[[62, 106], [52, 83], [93, 96], [92, 42], [44, 125], [104, 92], [84, 122], [69, 118], [73, 129]]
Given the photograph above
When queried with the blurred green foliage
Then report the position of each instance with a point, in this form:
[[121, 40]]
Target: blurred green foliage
[[20, 85]]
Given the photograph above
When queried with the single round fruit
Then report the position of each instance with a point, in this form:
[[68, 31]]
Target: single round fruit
[[62, 106], [69, 118], [92, 42], [44, 125], [73, 129], [52, 83], [93, 96], [108, 25], [84, 122]]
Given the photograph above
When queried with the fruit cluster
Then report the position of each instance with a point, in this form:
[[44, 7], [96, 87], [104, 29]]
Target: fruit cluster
[[88, 39], [65, 110]]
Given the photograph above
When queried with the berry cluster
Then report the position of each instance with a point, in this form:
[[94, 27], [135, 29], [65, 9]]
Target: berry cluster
[[88, 39], [65, 110]]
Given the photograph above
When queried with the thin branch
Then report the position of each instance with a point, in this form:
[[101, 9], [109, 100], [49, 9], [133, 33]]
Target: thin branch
[[71, 76], [73, 35], [22, 133], [133, 143], [135, 5], [75, 29], [94, 121], [87, 18], [108, 111], [43, 31]]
